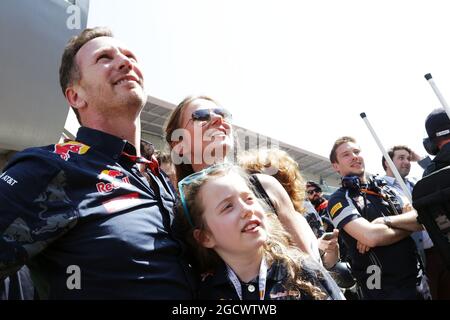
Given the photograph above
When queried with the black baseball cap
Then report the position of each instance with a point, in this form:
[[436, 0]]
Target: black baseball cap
[[437, 123], [313, 184]]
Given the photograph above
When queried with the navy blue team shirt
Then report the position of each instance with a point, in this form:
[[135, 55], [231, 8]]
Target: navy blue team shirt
[[398, 262], [84, 205]]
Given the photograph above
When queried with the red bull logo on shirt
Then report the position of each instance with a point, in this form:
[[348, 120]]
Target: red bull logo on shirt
[[115, 177], [64, 149]]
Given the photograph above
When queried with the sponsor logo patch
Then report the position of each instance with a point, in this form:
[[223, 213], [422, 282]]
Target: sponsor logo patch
[[9, 180], [64, 149], [115, 180], [335, 208]]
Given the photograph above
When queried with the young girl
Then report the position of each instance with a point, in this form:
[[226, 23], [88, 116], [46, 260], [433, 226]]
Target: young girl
[[243, 251]]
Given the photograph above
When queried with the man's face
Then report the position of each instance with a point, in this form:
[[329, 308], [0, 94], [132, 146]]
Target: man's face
[[110, 77], [349, 160], [402, 161], [313, 194]]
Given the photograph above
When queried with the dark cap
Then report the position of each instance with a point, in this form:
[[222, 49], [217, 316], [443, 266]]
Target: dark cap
[[437, 123], [313, 184]]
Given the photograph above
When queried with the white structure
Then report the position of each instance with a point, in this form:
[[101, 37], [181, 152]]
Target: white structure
[[313, 166], [33, 110]]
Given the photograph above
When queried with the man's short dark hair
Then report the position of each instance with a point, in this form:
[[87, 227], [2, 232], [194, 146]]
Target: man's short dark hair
[[68, 70], [391, 153], [337, 143]]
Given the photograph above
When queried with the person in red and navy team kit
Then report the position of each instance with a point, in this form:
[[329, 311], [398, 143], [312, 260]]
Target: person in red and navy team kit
[[93, 218], [320, 203]]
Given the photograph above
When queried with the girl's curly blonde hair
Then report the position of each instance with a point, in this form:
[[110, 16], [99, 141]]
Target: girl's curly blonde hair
[[281, 166]]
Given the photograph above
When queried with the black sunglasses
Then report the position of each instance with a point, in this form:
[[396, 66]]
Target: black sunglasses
[[206, 114]]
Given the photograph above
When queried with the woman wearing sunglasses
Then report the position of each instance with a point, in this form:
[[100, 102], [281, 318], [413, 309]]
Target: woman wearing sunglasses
[[200, 134]]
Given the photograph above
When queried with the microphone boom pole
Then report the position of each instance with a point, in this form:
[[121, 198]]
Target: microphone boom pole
[[388, 159], [438, 93]]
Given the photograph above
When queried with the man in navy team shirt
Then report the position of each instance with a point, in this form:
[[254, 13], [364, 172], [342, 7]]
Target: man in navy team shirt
[[383, 259], [92, 218]]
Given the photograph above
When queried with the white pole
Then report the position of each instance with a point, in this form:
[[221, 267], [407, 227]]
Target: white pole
[[388, 159], [438, 93]]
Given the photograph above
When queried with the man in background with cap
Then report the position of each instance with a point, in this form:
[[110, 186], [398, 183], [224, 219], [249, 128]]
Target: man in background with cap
[[320, 203], [438, 130], [437, 125]]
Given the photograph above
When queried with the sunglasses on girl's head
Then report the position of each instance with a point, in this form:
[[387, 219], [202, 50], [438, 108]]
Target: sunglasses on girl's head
[[205, 114], [193, 177]]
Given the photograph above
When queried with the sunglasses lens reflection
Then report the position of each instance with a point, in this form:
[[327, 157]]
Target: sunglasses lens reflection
[[205, 114], [201, 115]]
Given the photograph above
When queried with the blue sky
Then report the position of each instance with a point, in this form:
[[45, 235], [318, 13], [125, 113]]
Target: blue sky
[[299, 71]]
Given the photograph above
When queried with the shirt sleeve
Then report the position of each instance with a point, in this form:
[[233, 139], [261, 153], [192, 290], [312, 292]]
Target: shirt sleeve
[[34, 209], [425, 162], [341, 209]]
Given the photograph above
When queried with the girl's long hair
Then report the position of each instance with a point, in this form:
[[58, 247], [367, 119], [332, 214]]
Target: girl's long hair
[[287, 171]]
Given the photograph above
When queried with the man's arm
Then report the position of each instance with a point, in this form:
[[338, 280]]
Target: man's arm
[[346, 216], [374, 234], [406, 221], [34, 210], [424, 162]]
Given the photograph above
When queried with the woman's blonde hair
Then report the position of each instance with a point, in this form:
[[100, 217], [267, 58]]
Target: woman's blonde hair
[[280, 164], [277, 249]]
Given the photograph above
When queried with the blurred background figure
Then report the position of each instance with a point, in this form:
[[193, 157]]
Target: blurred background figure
[[320, 203], [402, 156], [166, 165]]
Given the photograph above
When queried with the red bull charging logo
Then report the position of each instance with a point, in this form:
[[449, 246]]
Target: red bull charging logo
[[64, 149], [116, 177]]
